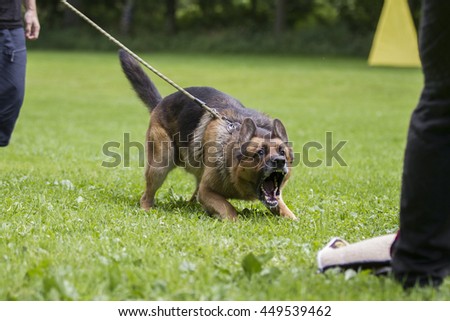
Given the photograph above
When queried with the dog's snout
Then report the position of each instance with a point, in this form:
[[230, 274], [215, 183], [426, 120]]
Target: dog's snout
[[279, 162]]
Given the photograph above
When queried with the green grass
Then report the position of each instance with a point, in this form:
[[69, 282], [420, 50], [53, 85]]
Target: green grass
[[71, 229]]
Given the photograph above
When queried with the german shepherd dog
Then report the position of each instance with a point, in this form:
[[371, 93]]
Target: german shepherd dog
[[247, 158]]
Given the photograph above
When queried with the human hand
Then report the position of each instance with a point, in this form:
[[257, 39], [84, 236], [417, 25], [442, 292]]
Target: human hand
[[32, 26]]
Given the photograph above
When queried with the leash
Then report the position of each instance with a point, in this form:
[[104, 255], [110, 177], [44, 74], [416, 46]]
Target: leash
[[214, 113]]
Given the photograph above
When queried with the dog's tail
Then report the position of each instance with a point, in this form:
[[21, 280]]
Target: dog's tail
[[142, 84]]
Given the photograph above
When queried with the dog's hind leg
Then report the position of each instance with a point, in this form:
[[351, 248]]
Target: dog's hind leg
[[160, 161], [154, 179], [194, 196]]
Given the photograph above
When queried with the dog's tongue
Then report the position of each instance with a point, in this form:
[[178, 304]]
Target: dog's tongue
[[269, 186], [269, 189]]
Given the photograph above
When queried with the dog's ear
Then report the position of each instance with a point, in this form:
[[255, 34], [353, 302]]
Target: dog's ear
[[278, 131], [247, 131]]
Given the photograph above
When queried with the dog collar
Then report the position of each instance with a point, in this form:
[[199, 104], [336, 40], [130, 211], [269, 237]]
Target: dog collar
[[231, 127]]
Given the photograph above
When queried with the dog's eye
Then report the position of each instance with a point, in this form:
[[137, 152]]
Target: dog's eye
[[282, 152], [260, 152]]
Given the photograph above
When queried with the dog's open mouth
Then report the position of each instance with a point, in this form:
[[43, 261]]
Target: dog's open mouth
[[269, 188]]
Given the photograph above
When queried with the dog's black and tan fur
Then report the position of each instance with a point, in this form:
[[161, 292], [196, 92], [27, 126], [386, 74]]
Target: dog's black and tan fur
[[248, 161]]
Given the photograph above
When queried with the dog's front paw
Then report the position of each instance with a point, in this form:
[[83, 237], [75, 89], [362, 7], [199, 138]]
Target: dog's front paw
[[283, 210], [289, 215]]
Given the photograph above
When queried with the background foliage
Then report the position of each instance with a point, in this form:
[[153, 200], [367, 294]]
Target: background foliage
[[259, 26]]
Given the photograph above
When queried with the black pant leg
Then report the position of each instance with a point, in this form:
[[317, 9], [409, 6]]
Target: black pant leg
[[422, 251]]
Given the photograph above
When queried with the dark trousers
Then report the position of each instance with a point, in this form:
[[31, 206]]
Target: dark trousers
[[421, 253], [13, 58]]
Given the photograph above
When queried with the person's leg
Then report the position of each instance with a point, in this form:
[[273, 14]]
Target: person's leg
[[421, 253], [12, 80]]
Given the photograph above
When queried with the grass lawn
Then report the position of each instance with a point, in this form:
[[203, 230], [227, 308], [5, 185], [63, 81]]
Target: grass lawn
[[71, 229]]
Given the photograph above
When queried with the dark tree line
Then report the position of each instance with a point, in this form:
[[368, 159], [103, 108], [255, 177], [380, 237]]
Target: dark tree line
[[172, 16], [203, 17]]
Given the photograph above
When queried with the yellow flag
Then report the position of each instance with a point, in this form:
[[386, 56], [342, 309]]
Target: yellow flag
[[395, 42]]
